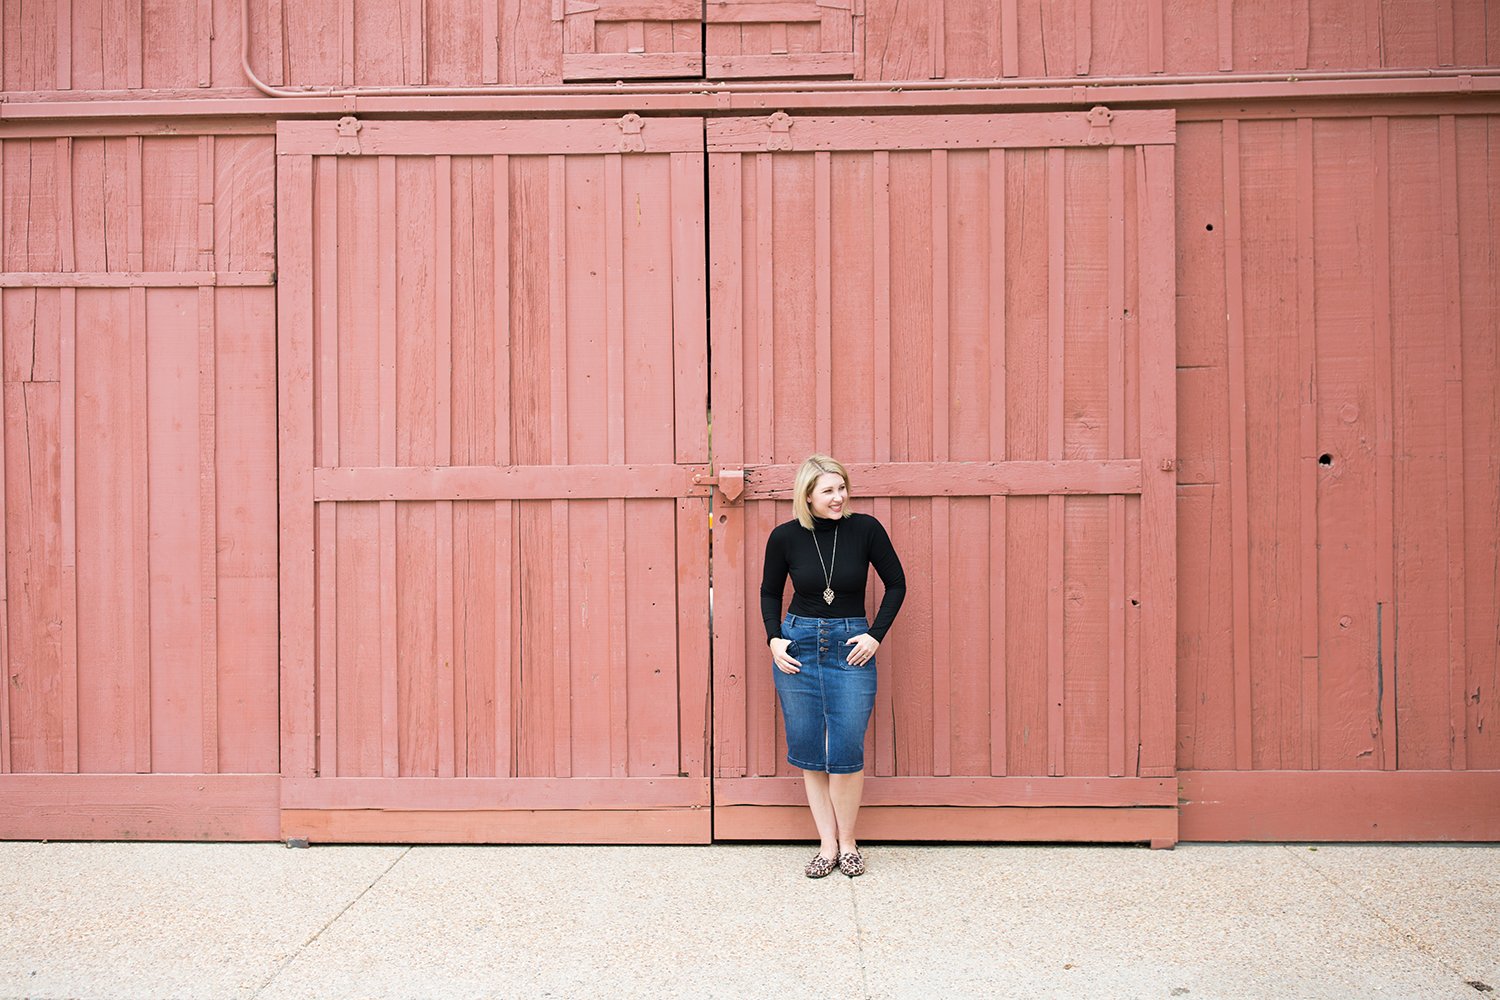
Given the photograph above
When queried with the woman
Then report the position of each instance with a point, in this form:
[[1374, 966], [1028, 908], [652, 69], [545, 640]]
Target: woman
[[824, 649]]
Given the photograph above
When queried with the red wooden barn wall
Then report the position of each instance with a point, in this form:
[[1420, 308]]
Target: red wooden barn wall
[[1337, 660]]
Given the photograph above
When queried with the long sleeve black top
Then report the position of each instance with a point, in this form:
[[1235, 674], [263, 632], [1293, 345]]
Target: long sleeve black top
[[862, 543]]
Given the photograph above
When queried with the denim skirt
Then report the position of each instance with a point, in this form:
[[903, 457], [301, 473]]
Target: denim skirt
[[827, 705]]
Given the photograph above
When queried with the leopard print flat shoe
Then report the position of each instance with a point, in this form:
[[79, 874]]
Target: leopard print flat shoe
[[852, 863], [820, 867]]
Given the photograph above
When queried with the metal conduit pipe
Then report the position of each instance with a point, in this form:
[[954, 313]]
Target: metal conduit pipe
[[823, 86]]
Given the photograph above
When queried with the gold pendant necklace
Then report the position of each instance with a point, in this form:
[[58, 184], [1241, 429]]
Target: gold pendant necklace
[[828, 569]]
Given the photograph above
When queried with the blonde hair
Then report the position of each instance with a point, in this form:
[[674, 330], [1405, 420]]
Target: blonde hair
[[807, 477]]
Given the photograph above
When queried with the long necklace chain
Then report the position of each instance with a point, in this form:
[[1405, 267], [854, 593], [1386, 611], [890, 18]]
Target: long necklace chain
[[828, 569]]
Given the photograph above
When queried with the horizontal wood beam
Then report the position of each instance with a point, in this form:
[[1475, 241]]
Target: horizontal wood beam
[[470, 794], [1340, 805], [1029, 792], [196, 112], [507, 482], [136, 279], [499, 826], [515, 137], [139, 807], [1154, 825], [960, 479], [972, 131]]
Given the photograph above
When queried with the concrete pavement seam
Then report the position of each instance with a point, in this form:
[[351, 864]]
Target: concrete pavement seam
[[1422, 946], [859, 941], [329, 923]]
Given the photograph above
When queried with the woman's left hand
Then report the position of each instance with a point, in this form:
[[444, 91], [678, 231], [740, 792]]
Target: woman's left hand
[[864, 645]]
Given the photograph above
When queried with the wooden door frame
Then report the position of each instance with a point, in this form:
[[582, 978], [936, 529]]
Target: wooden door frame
[[1136, 808], [394, 808]]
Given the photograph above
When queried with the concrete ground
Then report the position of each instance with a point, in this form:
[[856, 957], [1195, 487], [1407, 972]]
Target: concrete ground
[[1202, 921]]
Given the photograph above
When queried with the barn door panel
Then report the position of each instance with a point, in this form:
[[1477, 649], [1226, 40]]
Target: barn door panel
[[776, 38], [493, 381], [630, 39], [976, 313]]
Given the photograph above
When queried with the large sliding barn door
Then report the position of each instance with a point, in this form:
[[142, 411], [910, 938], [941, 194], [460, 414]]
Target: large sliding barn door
[[494, 595], [976, 313]]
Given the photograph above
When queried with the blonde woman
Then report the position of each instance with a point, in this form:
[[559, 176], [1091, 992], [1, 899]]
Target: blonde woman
[[824, 648]]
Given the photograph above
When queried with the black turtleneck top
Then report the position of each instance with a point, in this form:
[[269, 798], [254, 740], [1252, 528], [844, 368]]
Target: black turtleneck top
[[862, 543]]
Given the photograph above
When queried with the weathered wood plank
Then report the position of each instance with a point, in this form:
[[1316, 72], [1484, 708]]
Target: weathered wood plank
[[221, 807], [922, 790], [881, 132]]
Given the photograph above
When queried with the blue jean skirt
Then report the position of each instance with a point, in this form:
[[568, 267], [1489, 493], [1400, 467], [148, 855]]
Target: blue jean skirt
[[826, 706]]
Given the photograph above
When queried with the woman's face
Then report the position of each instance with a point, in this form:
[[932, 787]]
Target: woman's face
[[829, 494]]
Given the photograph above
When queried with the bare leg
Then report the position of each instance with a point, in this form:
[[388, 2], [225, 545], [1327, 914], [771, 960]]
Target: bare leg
[[845, 791], [818, 800]]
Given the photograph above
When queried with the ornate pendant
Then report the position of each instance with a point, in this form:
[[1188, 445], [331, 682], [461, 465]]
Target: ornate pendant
[[828, 596]]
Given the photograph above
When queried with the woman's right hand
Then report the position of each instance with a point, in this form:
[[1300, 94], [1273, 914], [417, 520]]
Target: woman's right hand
[[784, 662]]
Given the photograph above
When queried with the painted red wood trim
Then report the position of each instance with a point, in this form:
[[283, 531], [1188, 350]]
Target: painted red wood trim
[[68, 446], [689, 306], [452, 710], [765, 308], [346, 42], [324, 219], [1453, 440], [5, 724], [552, 137], [1340, 805], [1010, 40], [1156, 256], [1323, 94], [205, 33], [140, 513], [561, 419], [884, 721], [1155, 29], [489, 42], [937, 42], [1226, 35], [892, 132], [274, 33], [385, 420], [995, 322], [208, 523], [1308, 479], [1017, 791], [134, 225], [726, 295], [1083, 36], [508, 482], [294, 364], [823, 300], [692, 825], [782, 65], [206, 177], [1301, 16], [507, 624], [963, 479], [1444, 11], [694, 712], [1385, 472], [133, 279], [1056, 509], [1066, 824], [464, 794], [1239, 500], [942, 577], [882, 313], [1115, 378], [223, 807], [64, 50], [612, 65], [614, 348], [762, 687]]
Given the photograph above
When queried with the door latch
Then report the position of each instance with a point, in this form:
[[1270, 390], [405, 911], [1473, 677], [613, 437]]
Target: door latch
[[731, 483]]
